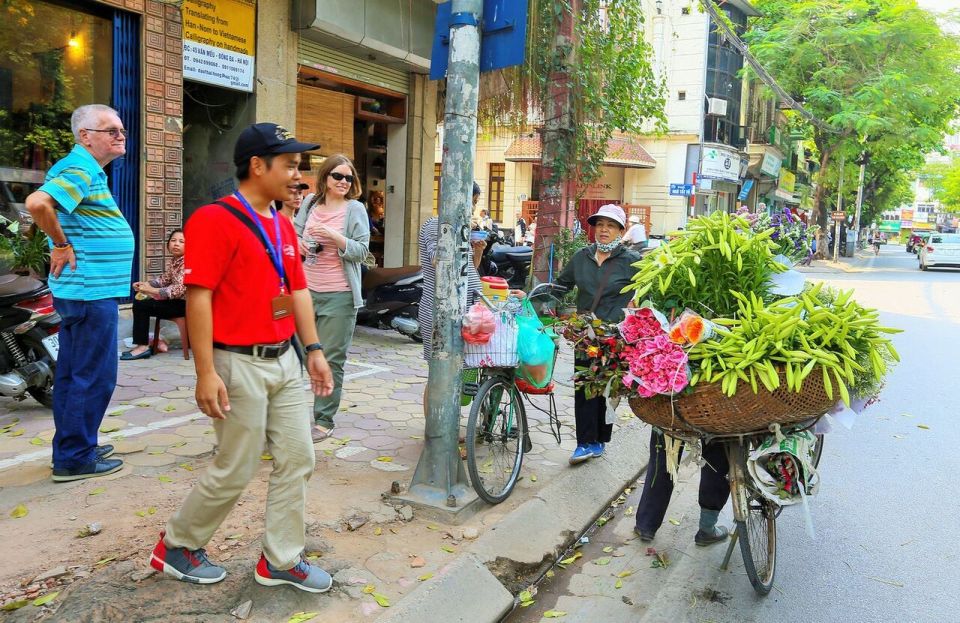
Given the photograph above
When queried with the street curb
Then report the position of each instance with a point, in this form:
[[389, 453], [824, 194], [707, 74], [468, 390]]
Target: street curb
[[479, 586]]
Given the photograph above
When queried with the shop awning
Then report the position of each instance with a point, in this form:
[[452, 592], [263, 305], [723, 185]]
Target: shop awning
[[622, 151]]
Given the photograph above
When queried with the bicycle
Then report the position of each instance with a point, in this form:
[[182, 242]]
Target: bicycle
[[755, 515], [498, 434]]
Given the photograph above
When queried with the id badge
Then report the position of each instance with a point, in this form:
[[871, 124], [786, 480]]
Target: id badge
[[282, 306]]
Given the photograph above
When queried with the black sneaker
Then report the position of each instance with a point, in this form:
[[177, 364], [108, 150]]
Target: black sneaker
[[718, 534], [99, 467], [104, 451], [185, 564]]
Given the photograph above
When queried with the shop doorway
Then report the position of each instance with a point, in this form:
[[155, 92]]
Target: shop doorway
[[213, 118]]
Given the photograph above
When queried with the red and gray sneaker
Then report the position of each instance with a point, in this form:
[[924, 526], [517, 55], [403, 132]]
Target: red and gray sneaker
[[185, 564], [304, 576]]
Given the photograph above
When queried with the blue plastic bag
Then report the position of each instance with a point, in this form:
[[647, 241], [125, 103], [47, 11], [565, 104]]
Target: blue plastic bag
[[536, 348]]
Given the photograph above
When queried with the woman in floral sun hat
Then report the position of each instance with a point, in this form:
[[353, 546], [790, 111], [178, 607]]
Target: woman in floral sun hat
[[599, 271]]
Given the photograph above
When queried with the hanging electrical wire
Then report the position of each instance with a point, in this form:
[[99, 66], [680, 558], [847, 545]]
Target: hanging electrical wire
[[764, 75]]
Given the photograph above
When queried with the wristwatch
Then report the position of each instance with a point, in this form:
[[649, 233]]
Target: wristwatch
[[312, 347], [62, 245]]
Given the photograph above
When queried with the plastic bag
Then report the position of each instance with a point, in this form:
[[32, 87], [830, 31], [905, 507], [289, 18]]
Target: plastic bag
[[478, 325], [500, 350], [535, 348], [782, 467]]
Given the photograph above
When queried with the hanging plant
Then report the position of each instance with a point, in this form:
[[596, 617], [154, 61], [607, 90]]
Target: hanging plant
[[609, 70]]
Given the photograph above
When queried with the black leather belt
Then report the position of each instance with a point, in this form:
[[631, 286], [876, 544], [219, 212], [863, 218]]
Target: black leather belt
[[264, 351]]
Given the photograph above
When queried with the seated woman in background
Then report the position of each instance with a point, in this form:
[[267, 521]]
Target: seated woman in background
[[162, 297], [375, 212]]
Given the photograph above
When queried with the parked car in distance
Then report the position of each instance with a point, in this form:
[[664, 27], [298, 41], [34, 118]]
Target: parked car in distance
[[15, 186], [940, 250]]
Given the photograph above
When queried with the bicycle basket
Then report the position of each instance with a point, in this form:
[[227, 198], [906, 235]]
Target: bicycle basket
[[500, 351]]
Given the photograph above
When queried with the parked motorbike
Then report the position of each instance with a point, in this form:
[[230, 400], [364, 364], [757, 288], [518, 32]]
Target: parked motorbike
[[391, 299], [29, 339], [502, 259]]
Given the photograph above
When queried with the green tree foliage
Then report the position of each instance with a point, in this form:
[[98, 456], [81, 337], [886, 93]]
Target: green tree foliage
[[881, 73], [943, 179], [611, 75]]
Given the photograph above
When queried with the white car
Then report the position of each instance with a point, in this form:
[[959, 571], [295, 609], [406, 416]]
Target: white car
[[940, 250]]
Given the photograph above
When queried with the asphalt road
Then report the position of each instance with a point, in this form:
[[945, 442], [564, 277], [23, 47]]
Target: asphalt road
[[886, 520]]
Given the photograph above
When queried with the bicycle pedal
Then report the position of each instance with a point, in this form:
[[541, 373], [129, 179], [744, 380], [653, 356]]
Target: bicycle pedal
[[471, 389]]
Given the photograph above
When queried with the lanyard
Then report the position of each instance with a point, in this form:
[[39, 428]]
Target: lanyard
[[274, 250]]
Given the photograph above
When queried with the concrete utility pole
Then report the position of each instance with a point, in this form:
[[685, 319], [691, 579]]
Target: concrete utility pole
[[557, 207], [440, 480]]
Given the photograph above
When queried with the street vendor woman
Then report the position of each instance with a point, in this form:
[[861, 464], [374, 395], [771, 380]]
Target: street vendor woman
[[599, 271]]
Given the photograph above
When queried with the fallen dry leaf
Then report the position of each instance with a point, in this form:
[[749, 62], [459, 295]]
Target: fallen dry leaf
[[186, 466], [17, 433], [923, 426], [618, 584], [377, 531], [382, 600], [675, 522], [109, 428], [625, 574], [369, 588], [425, 577], [385, 459], [14, 605], [887, 582], [448, 549], [302, 617], [554, 614], [36, 441], [104, 561], [602, 562], [266, 456], [164, 478], [533, 478], [19, 511], [98, 491]]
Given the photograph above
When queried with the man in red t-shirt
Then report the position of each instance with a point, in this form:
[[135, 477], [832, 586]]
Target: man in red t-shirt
[[246, 296]]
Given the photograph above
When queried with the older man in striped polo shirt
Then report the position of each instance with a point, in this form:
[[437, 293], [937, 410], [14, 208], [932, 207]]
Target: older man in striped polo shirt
[[90, 259]]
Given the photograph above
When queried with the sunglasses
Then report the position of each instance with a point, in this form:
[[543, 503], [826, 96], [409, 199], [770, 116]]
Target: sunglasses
[[340, 176]]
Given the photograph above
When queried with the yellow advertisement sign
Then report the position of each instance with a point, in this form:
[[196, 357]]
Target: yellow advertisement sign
[[219, 42], [788, 181]]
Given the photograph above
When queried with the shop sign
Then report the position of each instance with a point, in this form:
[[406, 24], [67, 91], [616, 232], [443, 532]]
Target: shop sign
[[608, 186], [771, 164], [219, 42], [906, 218], [721, 163], [745, 190], [920, 217], [682, 190], [787, 182], [838, 216]]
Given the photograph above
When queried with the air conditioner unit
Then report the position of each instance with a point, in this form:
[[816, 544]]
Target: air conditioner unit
[[716, 106]]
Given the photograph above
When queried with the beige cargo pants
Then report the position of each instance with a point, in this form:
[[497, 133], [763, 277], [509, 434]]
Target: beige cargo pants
[[267, 402]]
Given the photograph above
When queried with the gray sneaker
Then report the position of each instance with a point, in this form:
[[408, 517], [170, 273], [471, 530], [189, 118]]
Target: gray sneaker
[[304, 576], [186, 565]]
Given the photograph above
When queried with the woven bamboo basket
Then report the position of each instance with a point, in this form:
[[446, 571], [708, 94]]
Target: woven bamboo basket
[[706, 409]]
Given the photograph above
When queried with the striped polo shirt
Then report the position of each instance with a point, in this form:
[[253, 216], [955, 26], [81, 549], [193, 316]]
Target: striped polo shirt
[[92, 222]]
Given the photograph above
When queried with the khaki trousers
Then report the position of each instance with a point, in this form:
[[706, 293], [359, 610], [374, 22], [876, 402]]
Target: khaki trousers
[[267, 402]]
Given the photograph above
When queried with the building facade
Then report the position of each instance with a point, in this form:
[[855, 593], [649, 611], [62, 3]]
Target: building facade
[[57, 56]]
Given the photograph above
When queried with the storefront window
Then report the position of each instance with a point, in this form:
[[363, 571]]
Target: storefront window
[[53, 58]]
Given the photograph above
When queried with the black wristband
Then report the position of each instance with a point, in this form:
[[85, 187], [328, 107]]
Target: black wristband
[[312, 347]]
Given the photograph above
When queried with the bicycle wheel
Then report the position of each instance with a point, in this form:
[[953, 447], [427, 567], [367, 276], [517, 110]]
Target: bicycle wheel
[[495, 434], [757, 530]]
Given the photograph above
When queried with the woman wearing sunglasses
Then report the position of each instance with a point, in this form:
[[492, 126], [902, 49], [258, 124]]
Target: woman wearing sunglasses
[[334, 234]]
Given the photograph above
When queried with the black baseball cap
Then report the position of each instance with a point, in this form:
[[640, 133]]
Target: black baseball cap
[[263, 139]]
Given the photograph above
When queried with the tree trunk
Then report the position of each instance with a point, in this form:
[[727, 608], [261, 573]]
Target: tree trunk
[[819, 205], [555, 193]]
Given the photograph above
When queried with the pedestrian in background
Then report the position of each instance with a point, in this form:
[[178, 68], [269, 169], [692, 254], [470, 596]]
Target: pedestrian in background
[[246, 296], [291, 207], [162, 297], [334, 238], [636, 236], [90, 259], [599, 271]]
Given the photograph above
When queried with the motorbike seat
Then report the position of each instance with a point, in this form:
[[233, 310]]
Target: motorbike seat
[[501, 254], [375, 277], [16, 287]]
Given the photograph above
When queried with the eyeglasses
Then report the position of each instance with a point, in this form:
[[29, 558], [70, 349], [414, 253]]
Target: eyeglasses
[[113, 132], [340, 176]]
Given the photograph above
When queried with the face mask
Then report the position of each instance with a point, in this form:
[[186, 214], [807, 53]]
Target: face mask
[[609, 246]]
